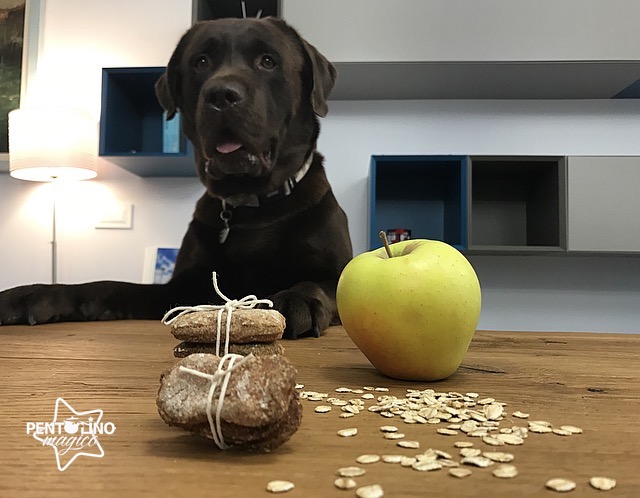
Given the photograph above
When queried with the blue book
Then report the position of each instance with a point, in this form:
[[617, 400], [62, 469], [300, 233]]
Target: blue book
[[170, 134]]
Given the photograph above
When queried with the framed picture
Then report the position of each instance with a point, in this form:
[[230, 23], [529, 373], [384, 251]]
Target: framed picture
[[20, 22], [159, 263]]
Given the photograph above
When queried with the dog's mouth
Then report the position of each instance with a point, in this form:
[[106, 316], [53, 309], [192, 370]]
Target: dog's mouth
[[228, 155]]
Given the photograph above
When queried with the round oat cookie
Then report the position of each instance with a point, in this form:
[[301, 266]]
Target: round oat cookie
[[251, 325], [261, 408]]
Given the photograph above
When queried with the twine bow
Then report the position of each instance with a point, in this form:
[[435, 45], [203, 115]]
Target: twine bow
[[222, 374], [247, 302]]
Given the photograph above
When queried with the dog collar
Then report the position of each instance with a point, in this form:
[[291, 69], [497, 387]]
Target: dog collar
[[260, 200]]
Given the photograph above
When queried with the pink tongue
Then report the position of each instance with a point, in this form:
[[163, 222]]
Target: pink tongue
[[228, 148]]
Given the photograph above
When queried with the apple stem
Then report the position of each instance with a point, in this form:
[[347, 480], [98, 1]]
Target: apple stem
[[385, 241]]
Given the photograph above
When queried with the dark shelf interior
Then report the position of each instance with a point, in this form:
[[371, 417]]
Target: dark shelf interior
[[517, 202], [424, 194], [133, 129], [132, 119], [217, 9]]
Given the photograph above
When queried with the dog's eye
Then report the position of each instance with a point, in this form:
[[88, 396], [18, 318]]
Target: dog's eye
[[267, 62], [201, 62]]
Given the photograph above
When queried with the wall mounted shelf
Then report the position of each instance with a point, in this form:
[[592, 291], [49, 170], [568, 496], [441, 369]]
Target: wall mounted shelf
[[134, 133], [480, 204]]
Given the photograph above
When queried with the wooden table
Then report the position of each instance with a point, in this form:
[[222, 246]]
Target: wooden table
[[587, 380]]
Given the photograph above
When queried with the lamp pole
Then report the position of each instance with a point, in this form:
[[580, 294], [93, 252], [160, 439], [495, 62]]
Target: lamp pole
[[54, 234]]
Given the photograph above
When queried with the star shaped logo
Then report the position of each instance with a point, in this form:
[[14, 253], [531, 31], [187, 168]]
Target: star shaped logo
[[71, 433]]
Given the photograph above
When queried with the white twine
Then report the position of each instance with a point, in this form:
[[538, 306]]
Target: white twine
[[221, 374], [247, 302]]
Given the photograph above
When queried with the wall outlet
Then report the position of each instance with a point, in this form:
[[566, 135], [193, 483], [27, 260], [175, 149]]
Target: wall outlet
[[117, 216]]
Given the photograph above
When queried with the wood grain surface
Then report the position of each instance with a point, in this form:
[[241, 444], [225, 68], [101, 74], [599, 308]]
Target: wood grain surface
[[587, 380]]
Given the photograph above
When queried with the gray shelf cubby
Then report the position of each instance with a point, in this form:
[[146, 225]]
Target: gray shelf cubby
[[517, 203]]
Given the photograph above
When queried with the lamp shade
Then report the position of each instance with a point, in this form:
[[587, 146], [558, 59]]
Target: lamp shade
[[52, 143]]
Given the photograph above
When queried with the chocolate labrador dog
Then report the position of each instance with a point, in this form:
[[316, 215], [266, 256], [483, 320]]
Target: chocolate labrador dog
[[249, 92]]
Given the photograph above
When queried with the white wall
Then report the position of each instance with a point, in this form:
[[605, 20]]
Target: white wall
[[353, 131], [520, 293]]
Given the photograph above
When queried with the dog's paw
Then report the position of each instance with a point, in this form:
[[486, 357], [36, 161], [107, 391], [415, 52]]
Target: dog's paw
[[305, 314], [33, 304]]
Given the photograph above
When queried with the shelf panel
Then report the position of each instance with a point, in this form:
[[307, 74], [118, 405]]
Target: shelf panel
[[486, 80]]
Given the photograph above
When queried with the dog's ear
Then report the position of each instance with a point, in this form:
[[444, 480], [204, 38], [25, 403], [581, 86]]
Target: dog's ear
[[164, 96], [324, 76], [167, 87]]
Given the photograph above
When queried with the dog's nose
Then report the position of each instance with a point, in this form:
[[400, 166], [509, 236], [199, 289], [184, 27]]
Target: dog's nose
[[224, 95]]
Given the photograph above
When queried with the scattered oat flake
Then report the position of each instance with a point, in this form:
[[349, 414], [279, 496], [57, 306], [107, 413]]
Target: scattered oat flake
[[371, 491], [541, 422], [368, 396], [470, 452], [459, 472], [407, 461], [351, 471], [279, 486], [346, 415], [539, 429], [561, 432], [389, 428], [485, 401], [343, 390], [561, 485], [392, 458], [345, 483], [520, 414], [394, 435], [351, 431], [493, 411], [381, 389], [409, 444], [447, 432], [505, 471], [510, 439], [477, 461], [322, 409], [603, 483], [493, 441], [426, 465], [299, 386], [368, 458], [498, 456], [571, 428], [463, 444]]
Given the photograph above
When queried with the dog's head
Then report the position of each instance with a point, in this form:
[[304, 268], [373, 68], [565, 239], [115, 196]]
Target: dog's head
[[248, 91]]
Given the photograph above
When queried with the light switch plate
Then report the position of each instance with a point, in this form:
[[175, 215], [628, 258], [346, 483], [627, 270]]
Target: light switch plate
[[119, 216]]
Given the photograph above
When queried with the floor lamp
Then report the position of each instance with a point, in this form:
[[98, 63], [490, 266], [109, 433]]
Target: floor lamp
[[52, 145]]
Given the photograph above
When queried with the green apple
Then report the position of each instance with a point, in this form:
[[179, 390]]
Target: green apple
[[413, 314]]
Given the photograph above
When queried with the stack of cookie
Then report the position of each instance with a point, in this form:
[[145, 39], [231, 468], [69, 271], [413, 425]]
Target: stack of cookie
[[254, 331], [259, 409]]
